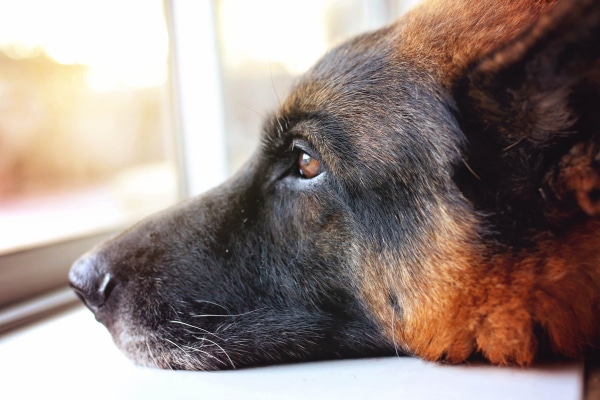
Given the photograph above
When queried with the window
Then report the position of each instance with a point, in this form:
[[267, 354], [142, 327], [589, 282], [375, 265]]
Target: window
[[111, 110], [86, 138]]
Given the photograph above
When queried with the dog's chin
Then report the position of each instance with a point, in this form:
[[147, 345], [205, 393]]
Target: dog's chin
[[149, 349], [179, 345]]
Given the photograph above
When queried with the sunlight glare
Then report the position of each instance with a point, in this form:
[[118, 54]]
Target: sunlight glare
[[123, 42], [295, 38]]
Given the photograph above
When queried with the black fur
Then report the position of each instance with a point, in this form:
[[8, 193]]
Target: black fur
[[521, 118]]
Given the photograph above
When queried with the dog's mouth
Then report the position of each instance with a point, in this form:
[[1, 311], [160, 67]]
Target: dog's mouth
[[166, 341], [234, 341]]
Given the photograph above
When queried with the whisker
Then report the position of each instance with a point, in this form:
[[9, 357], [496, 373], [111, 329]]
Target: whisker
[[281, 130], [263, 116], [274, 88], [167, 363], [224, 315], [394, 333], [220, 348], [180, 348], [174, 310], [206, 353], [150, 353], [214, 304], [196, 327]]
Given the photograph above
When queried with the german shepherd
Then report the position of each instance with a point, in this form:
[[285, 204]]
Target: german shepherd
[[431, 189]]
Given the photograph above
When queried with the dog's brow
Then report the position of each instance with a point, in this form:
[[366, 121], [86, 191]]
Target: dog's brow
[[278, 125], [281, 125]]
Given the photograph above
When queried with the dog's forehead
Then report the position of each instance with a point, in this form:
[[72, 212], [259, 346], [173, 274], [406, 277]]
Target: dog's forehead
[[368, 110], [385, 96], [353, 75]]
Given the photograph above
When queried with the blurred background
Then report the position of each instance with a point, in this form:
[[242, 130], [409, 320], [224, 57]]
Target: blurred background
[[113, 109]]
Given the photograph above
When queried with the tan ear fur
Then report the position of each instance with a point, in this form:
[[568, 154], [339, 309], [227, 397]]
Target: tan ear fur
[[446, 36]]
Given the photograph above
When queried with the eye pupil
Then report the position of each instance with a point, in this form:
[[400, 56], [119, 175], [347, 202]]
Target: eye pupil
[[309, 166]]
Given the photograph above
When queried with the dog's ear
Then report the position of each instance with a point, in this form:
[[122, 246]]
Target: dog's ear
[[531, 113]]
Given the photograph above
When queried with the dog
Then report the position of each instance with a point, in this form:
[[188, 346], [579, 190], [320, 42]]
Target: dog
[[430, 189]]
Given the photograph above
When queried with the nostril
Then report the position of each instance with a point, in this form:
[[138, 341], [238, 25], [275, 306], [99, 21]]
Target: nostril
[[105, 288], [91, 284], [95, 294]]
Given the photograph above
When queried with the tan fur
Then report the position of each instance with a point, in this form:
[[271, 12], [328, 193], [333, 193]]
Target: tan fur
[[463, 302], [555, 286], [445, 36], [578, 178], [433, 300]]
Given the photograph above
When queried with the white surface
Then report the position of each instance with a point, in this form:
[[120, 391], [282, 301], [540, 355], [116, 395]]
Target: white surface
[[72, 357]]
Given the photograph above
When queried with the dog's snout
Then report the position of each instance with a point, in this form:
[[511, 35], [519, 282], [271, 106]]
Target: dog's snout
[[92, 283]]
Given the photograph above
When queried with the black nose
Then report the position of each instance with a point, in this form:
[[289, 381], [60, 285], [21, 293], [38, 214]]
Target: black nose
[[91, 282]]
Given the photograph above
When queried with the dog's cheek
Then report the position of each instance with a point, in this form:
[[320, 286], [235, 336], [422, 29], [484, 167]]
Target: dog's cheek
[[418, 293], [450, 294], [440, 298]]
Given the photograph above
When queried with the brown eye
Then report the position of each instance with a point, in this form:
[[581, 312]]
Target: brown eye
[[308, 165]]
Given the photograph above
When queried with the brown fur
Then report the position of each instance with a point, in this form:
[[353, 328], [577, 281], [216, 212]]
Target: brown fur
[[431, 301], [445, 36], [493, 304]]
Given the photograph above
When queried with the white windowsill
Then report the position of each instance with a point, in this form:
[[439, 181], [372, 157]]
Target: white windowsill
[[70, 356]]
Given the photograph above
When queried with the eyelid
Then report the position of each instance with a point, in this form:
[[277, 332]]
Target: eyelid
[[304, 146]]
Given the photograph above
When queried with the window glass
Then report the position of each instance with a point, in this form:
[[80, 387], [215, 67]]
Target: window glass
[[85, 127]]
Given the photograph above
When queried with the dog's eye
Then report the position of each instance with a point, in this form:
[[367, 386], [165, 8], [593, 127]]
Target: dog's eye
[[308, 166]]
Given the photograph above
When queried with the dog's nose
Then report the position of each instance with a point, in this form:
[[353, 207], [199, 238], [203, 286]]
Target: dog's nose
[[92, 283]]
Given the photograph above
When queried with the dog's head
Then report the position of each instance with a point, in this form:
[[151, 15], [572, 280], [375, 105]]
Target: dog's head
[[421, 191]]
